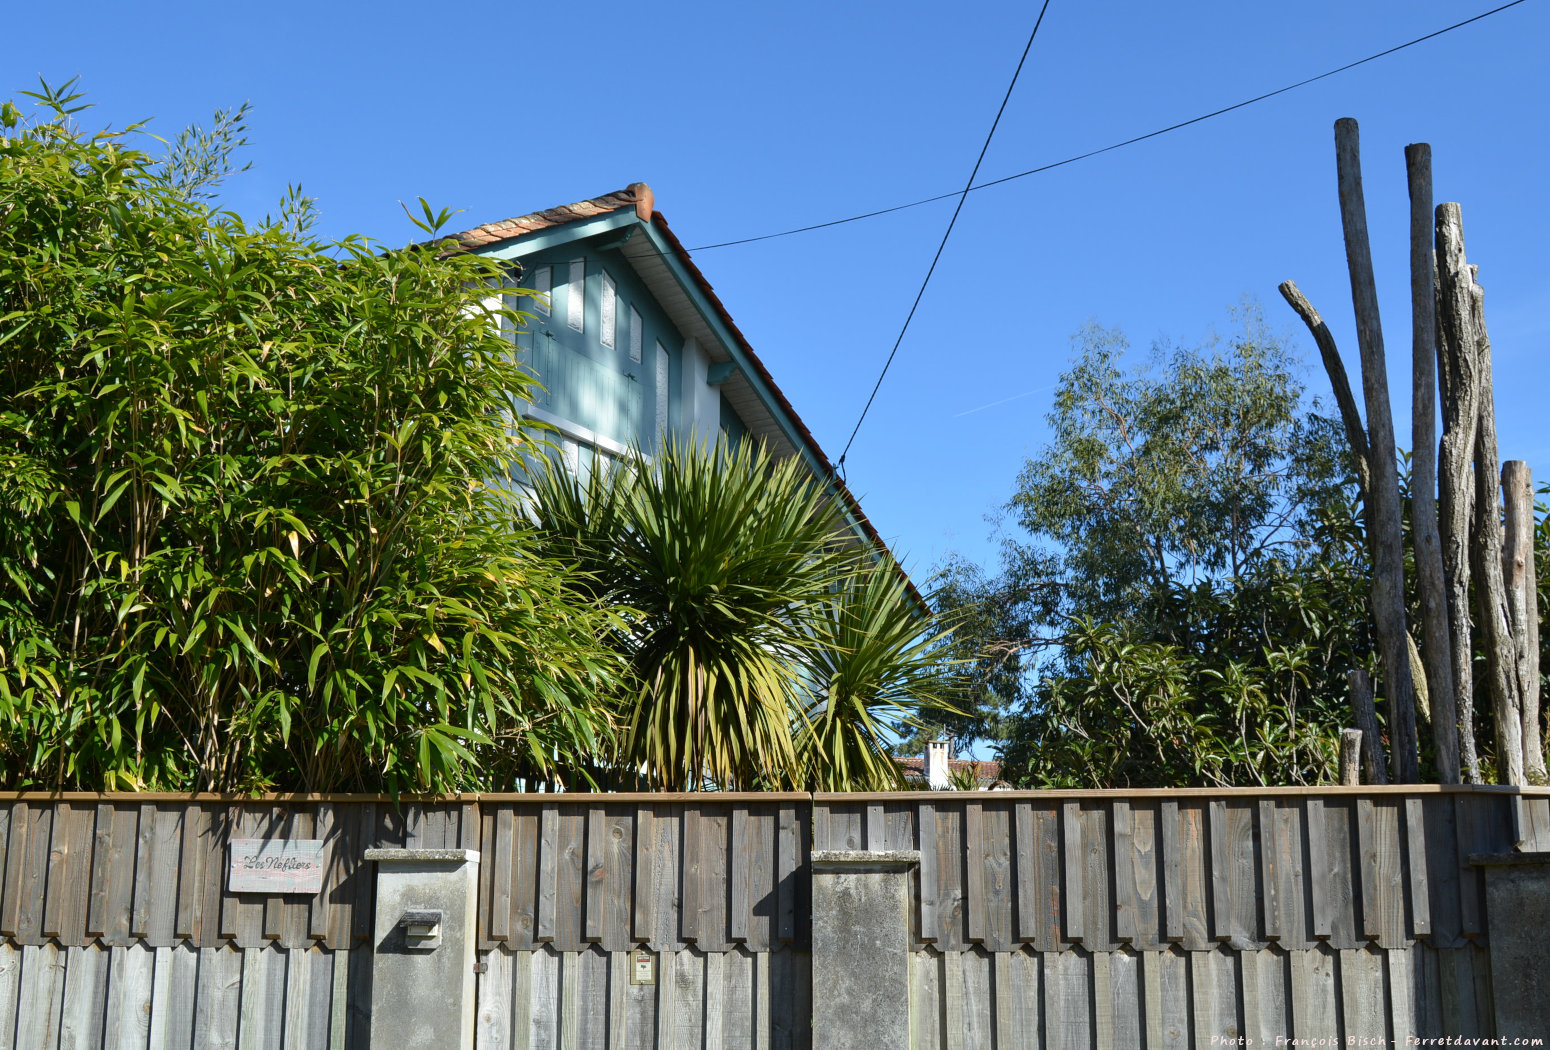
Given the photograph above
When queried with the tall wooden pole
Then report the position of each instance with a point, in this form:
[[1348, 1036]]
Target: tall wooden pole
[[1384, 525], [1458, 375], [1523, 600], [1485, 555], [1425, 537]]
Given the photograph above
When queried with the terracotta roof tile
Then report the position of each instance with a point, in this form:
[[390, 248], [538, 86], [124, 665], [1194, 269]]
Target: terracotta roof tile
[[504, 229]]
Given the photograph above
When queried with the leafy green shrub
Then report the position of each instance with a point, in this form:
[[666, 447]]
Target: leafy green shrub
[[248, 532]]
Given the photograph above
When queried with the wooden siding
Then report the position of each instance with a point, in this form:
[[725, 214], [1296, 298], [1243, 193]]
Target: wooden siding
[[565, 872], [1022, 1000], [597, 871], [120, 870], [725, 1000], [140, 998], [578, 388], [587, 381], [1000, 870], [1105, 871], [1080, 919]]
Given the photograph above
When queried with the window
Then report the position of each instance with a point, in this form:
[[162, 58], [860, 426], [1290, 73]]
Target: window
[[635, 336], [610, 309], [576, 295], [542, 283]]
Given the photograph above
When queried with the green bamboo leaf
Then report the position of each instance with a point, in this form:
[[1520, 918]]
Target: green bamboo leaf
[[318, 652]]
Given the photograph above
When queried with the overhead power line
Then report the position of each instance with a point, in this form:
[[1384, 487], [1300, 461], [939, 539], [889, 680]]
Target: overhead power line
[[1118, 145], [962, 196]]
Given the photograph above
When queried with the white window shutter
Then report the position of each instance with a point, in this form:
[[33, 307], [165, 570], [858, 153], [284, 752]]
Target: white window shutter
[[576, 295], [570, 455], [662, 379], [609, 310], [543, 284], [635, 336], [492, 303]]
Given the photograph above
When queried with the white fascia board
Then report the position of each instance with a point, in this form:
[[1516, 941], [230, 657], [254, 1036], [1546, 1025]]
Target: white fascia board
[[528, 243]]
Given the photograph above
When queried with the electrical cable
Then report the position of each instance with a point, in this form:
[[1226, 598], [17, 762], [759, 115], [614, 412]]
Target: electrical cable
[[1096, 152], [972, 186], [962, 196], [1115, 146]]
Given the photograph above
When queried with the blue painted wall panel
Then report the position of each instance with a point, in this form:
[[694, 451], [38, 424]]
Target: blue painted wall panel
[[593, 386], [731, 425]]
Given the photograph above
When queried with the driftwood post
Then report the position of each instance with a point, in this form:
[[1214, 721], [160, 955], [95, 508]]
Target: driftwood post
[[1459, 378], [1383, 520], [1350, 748], [1486, 563], [1350, 417], [1523, 601], [1423, 467], [1367, 723]]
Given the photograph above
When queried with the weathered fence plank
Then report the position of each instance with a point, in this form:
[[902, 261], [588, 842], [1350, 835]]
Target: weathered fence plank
[[218, 999], [86, 992]]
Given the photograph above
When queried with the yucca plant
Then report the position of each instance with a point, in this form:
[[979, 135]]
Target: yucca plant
[[766, 651], [872, 672]]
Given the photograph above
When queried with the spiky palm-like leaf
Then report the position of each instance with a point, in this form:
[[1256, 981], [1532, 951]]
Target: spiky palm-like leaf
[[723, 558], [872, 671]]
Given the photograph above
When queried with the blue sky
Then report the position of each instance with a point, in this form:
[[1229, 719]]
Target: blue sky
[[749, 119]]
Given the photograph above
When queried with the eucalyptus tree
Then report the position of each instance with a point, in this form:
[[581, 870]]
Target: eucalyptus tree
[[248, 538], [1180, 597]]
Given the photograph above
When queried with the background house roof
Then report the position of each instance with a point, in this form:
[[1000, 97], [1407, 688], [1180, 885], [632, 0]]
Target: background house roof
[[987, 771]]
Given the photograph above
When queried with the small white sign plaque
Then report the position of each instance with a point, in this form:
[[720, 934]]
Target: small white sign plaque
[[276, 866], [643, 967]]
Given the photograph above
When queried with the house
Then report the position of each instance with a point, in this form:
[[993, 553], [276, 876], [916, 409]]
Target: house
[[631, 344], [935, 770]]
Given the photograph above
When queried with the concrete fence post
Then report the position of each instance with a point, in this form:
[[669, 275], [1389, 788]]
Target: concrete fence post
[[422, 969], [861, 948]]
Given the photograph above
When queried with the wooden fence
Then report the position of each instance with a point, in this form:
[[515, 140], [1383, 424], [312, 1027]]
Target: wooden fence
[[1168, 918], [1038, 919]]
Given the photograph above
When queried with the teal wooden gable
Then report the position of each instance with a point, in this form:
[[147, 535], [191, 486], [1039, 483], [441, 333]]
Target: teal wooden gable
[[631, 344], [619, 380]]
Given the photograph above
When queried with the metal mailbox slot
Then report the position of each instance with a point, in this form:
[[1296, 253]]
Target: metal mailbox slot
[[422, 929]]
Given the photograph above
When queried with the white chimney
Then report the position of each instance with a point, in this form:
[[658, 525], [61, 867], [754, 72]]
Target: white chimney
[[936, 765]]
